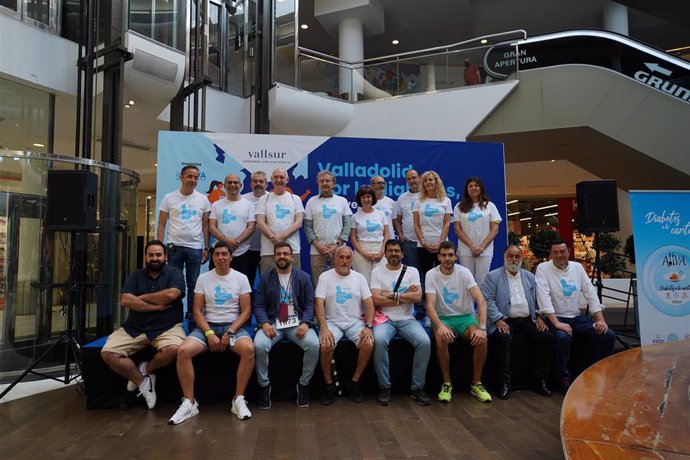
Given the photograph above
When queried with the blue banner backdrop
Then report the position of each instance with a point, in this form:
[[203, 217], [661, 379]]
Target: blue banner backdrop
[[353, 160], [661, 225]]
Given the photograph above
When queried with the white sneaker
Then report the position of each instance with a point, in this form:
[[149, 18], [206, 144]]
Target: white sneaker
[[147, 389], [185, 411], [239, 408], [131, 386]]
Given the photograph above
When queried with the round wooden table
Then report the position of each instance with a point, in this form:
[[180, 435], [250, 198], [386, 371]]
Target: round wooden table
[[631, 405]]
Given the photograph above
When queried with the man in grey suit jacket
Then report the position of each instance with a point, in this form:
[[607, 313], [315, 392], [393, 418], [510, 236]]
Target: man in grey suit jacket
[[511, 295]]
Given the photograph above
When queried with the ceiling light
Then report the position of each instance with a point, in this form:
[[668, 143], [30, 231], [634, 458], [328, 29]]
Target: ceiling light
[[513, 213], [553, 161], [127, 106], [512, 201], [552, 214], [155, 164], [484, 41], [36, 144], [395, 42], [304, 26], [131, 102], [525, 218], [546, 207]]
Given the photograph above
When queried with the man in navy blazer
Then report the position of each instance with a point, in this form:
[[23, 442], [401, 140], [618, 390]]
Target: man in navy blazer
[[283, 306], [511, 295]]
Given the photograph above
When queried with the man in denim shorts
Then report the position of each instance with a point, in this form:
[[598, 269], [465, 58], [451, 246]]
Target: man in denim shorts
[[153, 296], [450, 290], [222, 305]]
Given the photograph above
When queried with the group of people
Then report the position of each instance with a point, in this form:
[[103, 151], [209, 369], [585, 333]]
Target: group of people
[[400, 269]]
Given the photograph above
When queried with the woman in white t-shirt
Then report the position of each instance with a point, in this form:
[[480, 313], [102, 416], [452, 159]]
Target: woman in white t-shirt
[[369, 233], [476, 224], [431, 215]]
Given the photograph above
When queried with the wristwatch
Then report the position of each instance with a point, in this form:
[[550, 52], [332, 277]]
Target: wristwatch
[[483, 328], [369, 326]]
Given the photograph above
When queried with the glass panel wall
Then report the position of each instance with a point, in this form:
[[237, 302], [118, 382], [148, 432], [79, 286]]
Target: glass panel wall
[[38, 10], [45, 273], [25, 117], [284, 42], [11, 5], [161, 20]]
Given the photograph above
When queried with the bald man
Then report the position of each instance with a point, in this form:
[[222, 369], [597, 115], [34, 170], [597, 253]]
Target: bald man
[[279, 215], [232, 221]]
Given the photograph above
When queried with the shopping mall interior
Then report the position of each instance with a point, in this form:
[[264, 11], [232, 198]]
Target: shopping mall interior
[[574, 91]]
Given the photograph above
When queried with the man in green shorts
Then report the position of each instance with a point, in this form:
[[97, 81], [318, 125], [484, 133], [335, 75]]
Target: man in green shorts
[[450, 290]]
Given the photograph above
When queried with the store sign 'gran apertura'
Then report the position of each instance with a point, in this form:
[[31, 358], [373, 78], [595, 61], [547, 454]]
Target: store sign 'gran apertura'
[[503, 60]]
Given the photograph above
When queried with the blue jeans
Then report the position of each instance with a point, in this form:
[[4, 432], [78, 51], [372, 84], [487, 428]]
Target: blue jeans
[[262, 347], [189, 260], [603, 343], [414, 333]]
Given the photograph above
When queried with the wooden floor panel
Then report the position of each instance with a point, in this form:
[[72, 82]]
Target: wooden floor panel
[[56, 425]]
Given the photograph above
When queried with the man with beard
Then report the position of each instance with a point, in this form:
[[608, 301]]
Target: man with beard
[[222, 306], [258, 185], [232, 221], [395, 288], [183, 221], [450, 290], [511, 296], [339, 297], [279, 216], [153, 296], [284, 307], [327, 222]]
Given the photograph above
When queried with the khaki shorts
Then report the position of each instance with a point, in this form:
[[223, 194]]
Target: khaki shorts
[[122, 343]]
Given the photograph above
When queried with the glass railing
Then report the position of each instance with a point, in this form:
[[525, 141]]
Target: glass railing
[[433, 69], [162, 21], [38, 280]]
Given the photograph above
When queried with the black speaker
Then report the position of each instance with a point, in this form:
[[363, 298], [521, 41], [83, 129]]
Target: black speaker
[[597, 206], [71, 203]]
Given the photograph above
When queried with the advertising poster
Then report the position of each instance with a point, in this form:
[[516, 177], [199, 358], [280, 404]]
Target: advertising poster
[[354, 161], [661, 225]]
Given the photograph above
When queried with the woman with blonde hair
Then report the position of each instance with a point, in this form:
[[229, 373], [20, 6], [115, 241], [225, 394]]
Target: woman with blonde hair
[[476, 221], [431, 216]]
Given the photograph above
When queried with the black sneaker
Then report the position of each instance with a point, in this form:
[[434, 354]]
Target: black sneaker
[[384, 397], [420, 396], [265, 397], [356, 394], [328, 395], [302, 395]]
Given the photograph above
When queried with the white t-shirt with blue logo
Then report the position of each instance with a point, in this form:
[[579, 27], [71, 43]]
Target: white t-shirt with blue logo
[[403, 209], [232, 218], [384, 279], [185, 216], [222, 295], [431, 214], [369, 225], [280, 212], [387, 205], [452, 291], [255, 240], [327, 217], [343, 296], [476, 224]]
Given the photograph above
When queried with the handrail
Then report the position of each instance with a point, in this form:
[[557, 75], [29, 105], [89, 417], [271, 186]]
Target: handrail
[[409, 53]]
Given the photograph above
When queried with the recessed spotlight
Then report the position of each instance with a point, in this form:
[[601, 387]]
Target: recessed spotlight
[[36, 144], [155, 164], [127, 106], [553, 161], [131, 102], [304, 26], [484, 41], [395, 42]]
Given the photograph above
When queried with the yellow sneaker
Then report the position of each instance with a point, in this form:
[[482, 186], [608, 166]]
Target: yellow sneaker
[[479, 392], [446, 393]]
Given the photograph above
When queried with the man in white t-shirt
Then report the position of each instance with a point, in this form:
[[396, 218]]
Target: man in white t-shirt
[[450, 290], [340, 295], [326, 224], [183, 225], [258, 185], [232, 221], [222, 305], [383, 203], [279, 215], [404, 221], [395, 289], [559, 283]]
